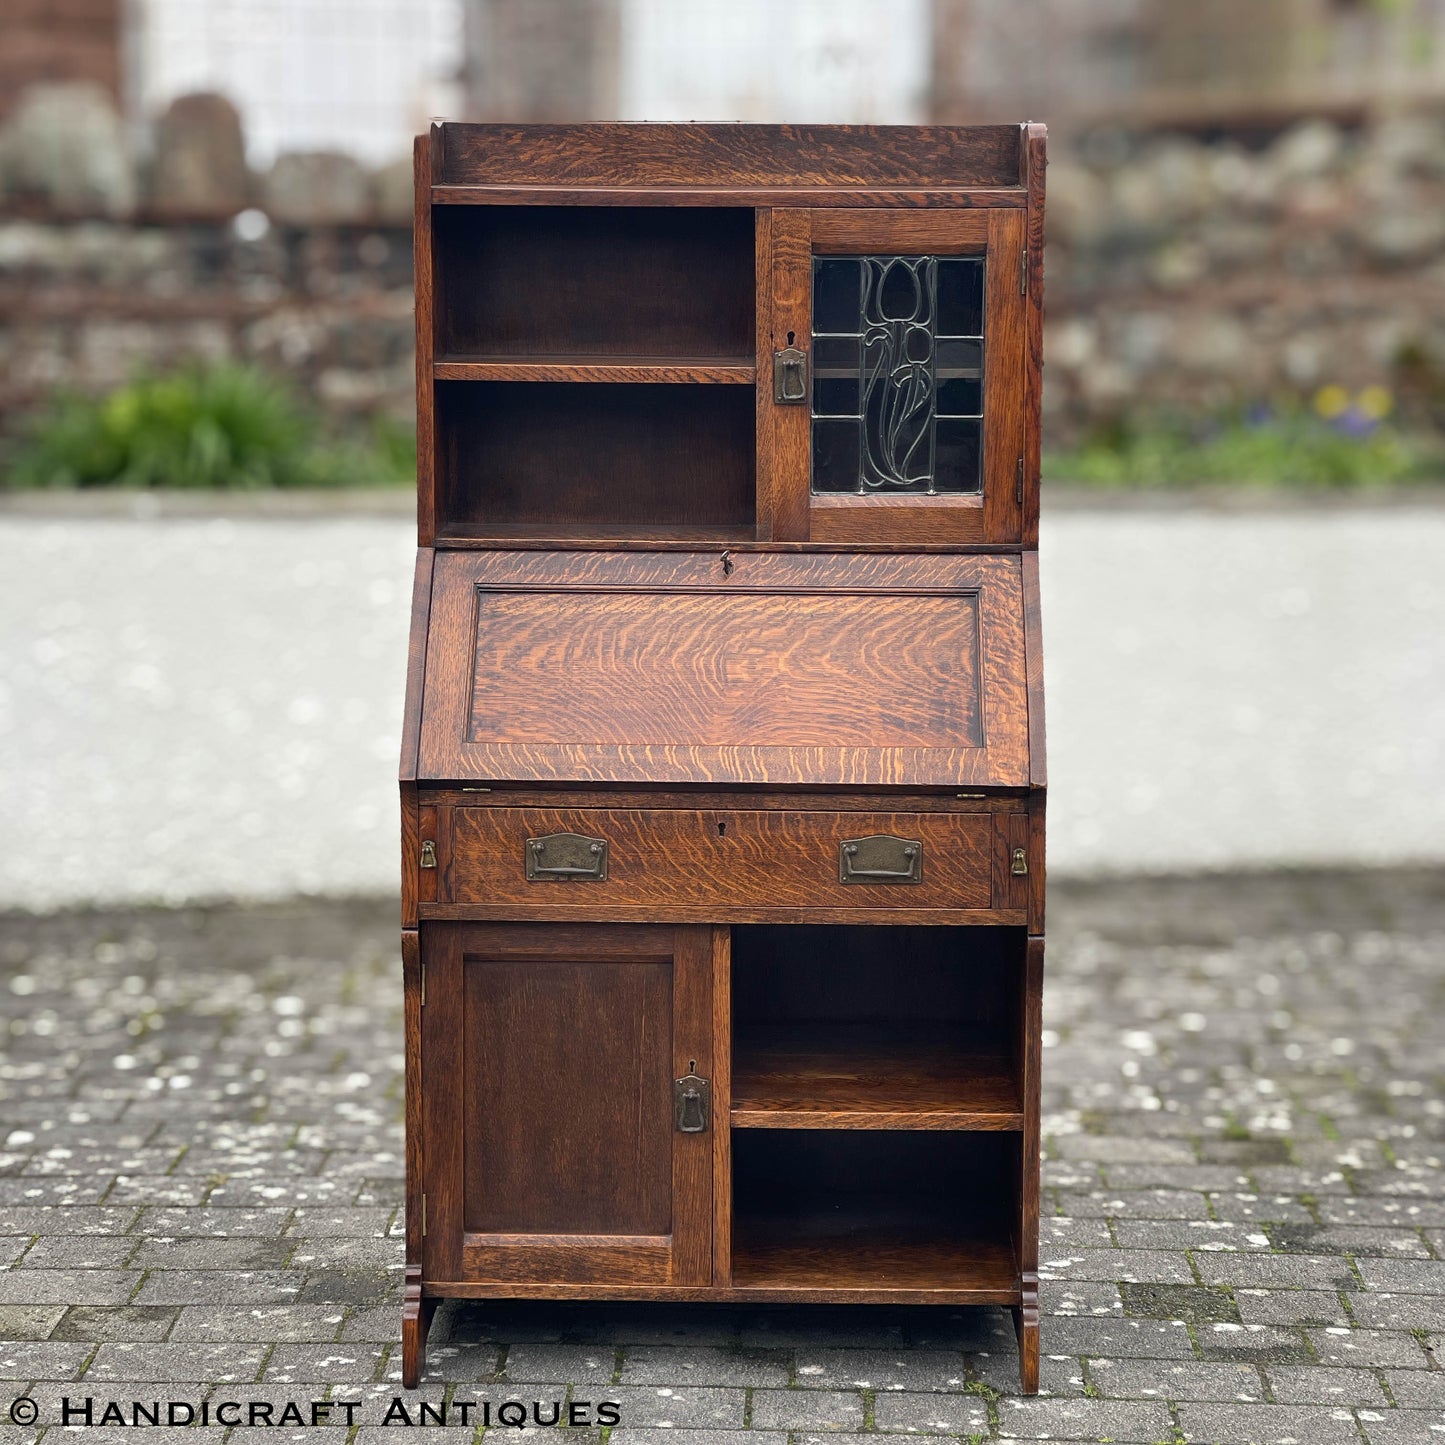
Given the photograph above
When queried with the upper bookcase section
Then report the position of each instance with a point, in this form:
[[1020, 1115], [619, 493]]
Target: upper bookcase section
[[677, 335]]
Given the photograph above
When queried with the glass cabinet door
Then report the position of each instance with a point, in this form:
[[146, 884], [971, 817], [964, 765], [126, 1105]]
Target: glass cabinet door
[[897, 402], [913, 329]]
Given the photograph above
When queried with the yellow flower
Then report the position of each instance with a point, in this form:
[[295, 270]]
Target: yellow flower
[[1375, 402], [1332, 401]]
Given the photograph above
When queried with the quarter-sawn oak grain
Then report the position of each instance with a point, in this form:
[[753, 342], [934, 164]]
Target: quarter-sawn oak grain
[[643, 156], [830, 688], [658, 858]]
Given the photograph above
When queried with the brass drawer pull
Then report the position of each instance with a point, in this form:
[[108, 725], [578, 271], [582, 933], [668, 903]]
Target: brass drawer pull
[[561, 856], [880, 858]]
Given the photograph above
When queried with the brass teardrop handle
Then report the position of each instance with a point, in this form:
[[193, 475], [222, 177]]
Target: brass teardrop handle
[[790, 376], [691, 1098]]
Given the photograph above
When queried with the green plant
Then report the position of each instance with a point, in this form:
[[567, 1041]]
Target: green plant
[[1263, 448], [217, 426], [385, 456]]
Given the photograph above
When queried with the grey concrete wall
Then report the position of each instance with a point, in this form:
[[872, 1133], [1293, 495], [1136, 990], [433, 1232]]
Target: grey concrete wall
[[200, 707]]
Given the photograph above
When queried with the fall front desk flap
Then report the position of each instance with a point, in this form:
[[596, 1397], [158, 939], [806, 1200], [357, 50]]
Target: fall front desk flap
[[788, 669]]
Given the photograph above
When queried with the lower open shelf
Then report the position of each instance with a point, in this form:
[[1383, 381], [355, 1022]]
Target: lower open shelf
[[858, 1076], [863, 1251], [876, 1211]]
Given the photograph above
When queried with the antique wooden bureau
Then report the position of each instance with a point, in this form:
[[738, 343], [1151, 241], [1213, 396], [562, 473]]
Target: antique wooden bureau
[[722, 784]]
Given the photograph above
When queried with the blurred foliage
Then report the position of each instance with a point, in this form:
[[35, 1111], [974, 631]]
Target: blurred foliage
[[219, 426], [1337, 441]]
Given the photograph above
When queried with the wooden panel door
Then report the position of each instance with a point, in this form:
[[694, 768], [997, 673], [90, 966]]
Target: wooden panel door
[[914, 428], [552, 1151]]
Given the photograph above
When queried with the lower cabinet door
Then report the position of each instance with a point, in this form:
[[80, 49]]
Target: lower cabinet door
[[566, 1136]]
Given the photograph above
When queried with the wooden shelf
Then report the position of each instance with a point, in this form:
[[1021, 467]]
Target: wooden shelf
[[873, 1252], [644, 369], [589, 534], [538, 459], [852, 1077]]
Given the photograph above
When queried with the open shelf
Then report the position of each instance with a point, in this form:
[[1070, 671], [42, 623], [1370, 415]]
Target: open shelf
[[875, 1212], [860, 1076], [565, 458], [844, 1027], [589, 281], [594, 373], [832, 1252]]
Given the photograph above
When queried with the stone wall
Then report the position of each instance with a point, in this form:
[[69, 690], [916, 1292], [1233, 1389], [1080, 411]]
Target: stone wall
[[1181, 275], [1194, 277], [114, 260], [56, 40], [85, 304]]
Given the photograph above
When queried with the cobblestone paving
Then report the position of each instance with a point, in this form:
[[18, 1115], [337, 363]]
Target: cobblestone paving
[[1244, 1237]]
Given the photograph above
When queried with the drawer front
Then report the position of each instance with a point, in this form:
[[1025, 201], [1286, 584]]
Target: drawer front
[[603, 858]]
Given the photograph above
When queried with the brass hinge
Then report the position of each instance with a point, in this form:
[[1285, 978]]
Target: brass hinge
[[1019, 483], [423, 1216], [1024, 272], [423, 983], [1020, 867], [428, 854]]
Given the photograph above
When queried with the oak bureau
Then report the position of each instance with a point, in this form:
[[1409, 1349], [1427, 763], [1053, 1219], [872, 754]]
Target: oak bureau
[[722, 783]]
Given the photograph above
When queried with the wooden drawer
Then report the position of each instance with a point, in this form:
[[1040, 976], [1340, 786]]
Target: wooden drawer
[[716, 861]]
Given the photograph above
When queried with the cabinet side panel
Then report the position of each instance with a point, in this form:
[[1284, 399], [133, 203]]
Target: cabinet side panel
[[415, 1172], [1037, 862], [1034, 669], [425, 333], [416, 662], [411, 734], [442, 1129], [1035, 159], [410, 850]]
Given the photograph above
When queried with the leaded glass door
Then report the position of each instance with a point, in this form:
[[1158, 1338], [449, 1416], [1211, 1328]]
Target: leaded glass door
[[913, 324], [897, 400]]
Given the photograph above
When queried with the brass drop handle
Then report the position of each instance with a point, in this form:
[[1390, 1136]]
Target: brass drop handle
[[880, 858], [567, 870], [565, 855], [691, 1100], [790, 376], [854, 871]]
